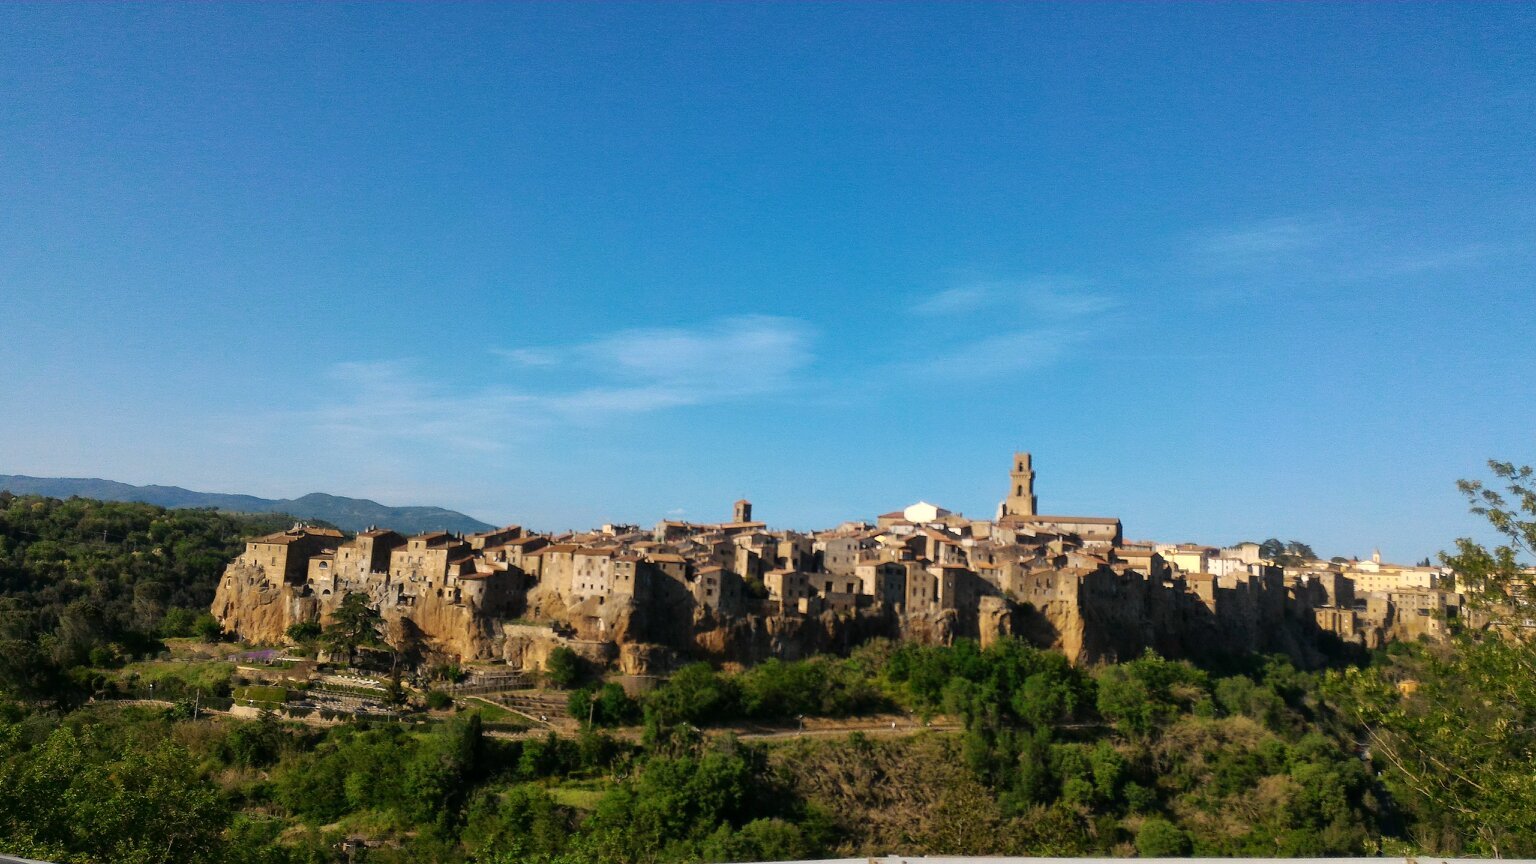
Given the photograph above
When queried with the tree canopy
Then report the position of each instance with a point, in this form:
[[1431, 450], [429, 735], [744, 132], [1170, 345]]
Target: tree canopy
[[1453, 726], [355, 623]]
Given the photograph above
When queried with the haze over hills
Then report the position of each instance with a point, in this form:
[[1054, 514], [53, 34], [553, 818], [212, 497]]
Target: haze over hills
[[349, 514]]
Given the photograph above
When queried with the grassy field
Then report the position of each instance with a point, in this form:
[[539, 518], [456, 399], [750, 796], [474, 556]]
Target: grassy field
[[262, 693], [197, 649], [583, 794], [490, 713], [174, 677]]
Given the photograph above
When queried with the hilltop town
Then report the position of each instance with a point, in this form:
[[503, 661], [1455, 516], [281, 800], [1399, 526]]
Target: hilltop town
[[640, 601]]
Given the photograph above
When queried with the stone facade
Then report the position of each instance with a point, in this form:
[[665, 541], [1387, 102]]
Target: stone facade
[[737, 591]]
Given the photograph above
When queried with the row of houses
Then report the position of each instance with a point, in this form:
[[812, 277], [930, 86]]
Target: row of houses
[[922, 560]]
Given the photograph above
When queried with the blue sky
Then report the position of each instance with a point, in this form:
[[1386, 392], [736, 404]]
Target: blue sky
[[1228, 271]]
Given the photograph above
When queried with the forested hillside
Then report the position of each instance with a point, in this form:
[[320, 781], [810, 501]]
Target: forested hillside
[[86, 582], [1150, 757]]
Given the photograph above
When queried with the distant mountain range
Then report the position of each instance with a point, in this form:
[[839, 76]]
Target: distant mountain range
[[348, 514]]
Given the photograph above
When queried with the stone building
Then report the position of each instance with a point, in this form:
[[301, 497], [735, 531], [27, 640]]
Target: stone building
[[923, 572]]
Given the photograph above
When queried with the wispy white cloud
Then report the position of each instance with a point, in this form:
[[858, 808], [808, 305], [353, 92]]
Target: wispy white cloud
[[727, 359], [628, 372], [1318, 253], [527, 356], [1058, 299], [1257, 244], [1002, 353], [1416, 259], [1034, 298], [950, 301], [1006, 327], [654, 368], [392, 400]]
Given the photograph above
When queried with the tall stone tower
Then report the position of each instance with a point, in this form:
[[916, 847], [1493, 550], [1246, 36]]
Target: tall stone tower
[[1021, 491], [742, 511]]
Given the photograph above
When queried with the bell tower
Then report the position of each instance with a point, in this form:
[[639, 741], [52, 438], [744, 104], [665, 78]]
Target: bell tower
[[742, 511], [1021, 489]]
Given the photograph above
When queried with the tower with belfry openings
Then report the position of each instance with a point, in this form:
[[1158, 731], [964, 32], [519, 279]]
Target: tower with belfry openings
[[1021, 489]]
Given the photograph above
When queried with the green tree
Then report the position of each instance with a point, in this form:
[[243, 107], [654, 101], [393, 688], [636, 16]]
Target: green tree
[[102, 797], [1142, 696], [563, 667], [354, 624], [434, 781], [1455, 744], [178, 622], [209, 629], [521, 824], [1300, 551], [305, 632], [695, 694], [28, 672], [1159, 838]]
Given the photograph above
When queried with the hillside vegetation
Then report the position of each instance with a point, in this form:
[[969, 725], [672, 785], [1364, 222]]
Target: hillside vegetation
[[91, 583]]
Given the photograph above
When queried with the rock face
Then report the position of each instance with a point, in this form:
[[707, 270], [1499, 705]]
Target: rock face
[[752, 638], [252, 608], [258, 611], [1097, 624], [1104, 617], [443, 596]]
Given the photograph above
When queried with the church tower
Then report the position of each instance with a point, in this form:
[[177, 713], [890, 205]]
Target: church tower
[[742, 512], [1021, 491]]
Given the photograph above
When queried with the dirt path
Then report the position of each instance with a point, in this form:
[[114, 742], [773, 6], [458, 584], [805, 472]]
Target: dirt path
[[885, 730]]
